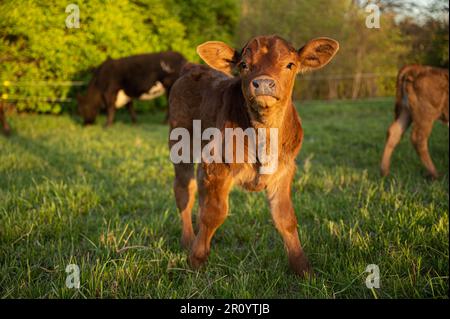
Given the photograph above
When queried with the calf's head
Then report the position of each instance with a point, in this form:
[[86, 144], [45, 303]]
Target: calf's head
[[267, 66]]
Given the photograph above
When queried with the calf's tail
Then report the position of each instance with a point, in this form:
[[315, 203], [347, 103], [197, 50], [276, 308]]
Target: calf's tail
[[401, 96]]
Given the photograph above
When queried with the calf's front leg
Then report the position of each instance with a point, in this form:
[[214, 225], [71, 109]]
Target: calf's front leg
[[184, 188], [213, 193], [286, 223]]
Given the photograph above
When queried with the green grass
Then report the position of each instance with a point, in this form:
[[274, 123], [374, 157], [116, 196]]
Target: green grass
[[102, 199]]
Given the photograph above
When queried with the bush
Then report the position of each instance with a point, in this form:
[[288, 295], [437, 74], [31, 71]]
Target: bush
[[36, 45]]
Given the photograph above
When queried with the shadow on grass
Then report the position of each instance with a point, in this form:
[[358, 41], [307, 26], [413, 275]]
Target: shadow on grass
[[58, 159], [154, 216]]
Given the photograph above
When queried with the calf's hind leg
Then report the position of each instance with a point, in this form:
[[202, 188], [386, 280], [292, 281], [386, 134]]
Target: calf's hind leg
[[419, 137], [394, 135]]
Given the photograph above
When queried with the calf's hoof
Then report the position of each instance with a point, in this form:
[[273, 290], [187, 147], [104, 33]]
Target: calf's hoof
[[384, 172], [433, 175], [301, 267], [7, 131], [196, 261]]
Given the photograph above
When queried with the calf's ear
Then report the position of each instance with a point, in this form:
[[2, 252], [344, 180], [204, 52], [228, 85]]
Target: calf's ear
[[218, 55], [317, 53]]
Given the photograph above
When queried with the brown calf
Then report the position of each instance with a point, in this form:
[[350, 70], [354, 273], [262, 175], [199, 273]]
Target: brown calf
[[4, 124], [422, 98], [259, 97]]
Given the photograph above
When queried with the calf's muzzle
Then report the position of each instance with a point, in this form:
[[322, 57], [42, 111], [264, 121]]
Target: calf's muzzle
[[264, 85]]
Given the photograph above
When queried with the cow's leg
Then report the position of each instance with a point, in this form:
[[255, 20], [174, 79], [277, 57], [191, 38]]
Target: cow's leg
[[111, 110], [419, 137], [6, 127], [184, 188], [286, 223], [213, 203], [3, 122], [394, 135], [109, 100], [166, 119], [132, 112]]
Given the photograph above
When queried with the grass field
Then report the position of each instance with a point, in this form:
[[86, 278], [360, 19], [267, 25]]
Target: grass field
[[102, 199]]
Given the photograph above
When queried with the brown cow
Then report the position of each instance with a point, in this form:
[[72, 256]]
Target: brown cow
[[5, 127], [259, 97], [422, 98], [117, 82]]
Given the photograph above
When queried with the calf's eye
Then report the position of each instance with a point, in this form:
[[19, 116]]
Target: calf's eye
[[243, 66], [290, 66]]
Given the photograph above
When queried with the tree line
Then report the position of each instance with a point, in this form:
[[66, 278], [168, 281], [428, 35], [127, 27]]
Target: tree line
[[36, 46], [369, 58]]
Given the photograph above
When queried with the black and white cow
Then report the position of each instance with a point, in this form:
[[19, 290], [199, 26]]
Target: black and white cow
[[116, 82]]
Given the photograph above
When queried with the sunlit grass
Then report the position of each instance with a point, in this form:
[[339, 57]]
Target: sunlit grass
[[102, 199]]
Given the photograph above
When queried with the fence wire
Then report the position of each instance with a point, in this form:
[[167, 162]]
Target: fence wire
[[41, 83]]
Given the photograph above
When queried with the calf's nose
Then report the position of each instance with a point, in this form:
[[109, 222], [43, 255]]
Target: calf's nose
[[264, 86]]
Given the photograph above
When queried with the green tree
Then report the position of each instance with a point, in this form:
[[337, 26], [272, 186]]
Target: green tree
[[362, 50], [36, 45]]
